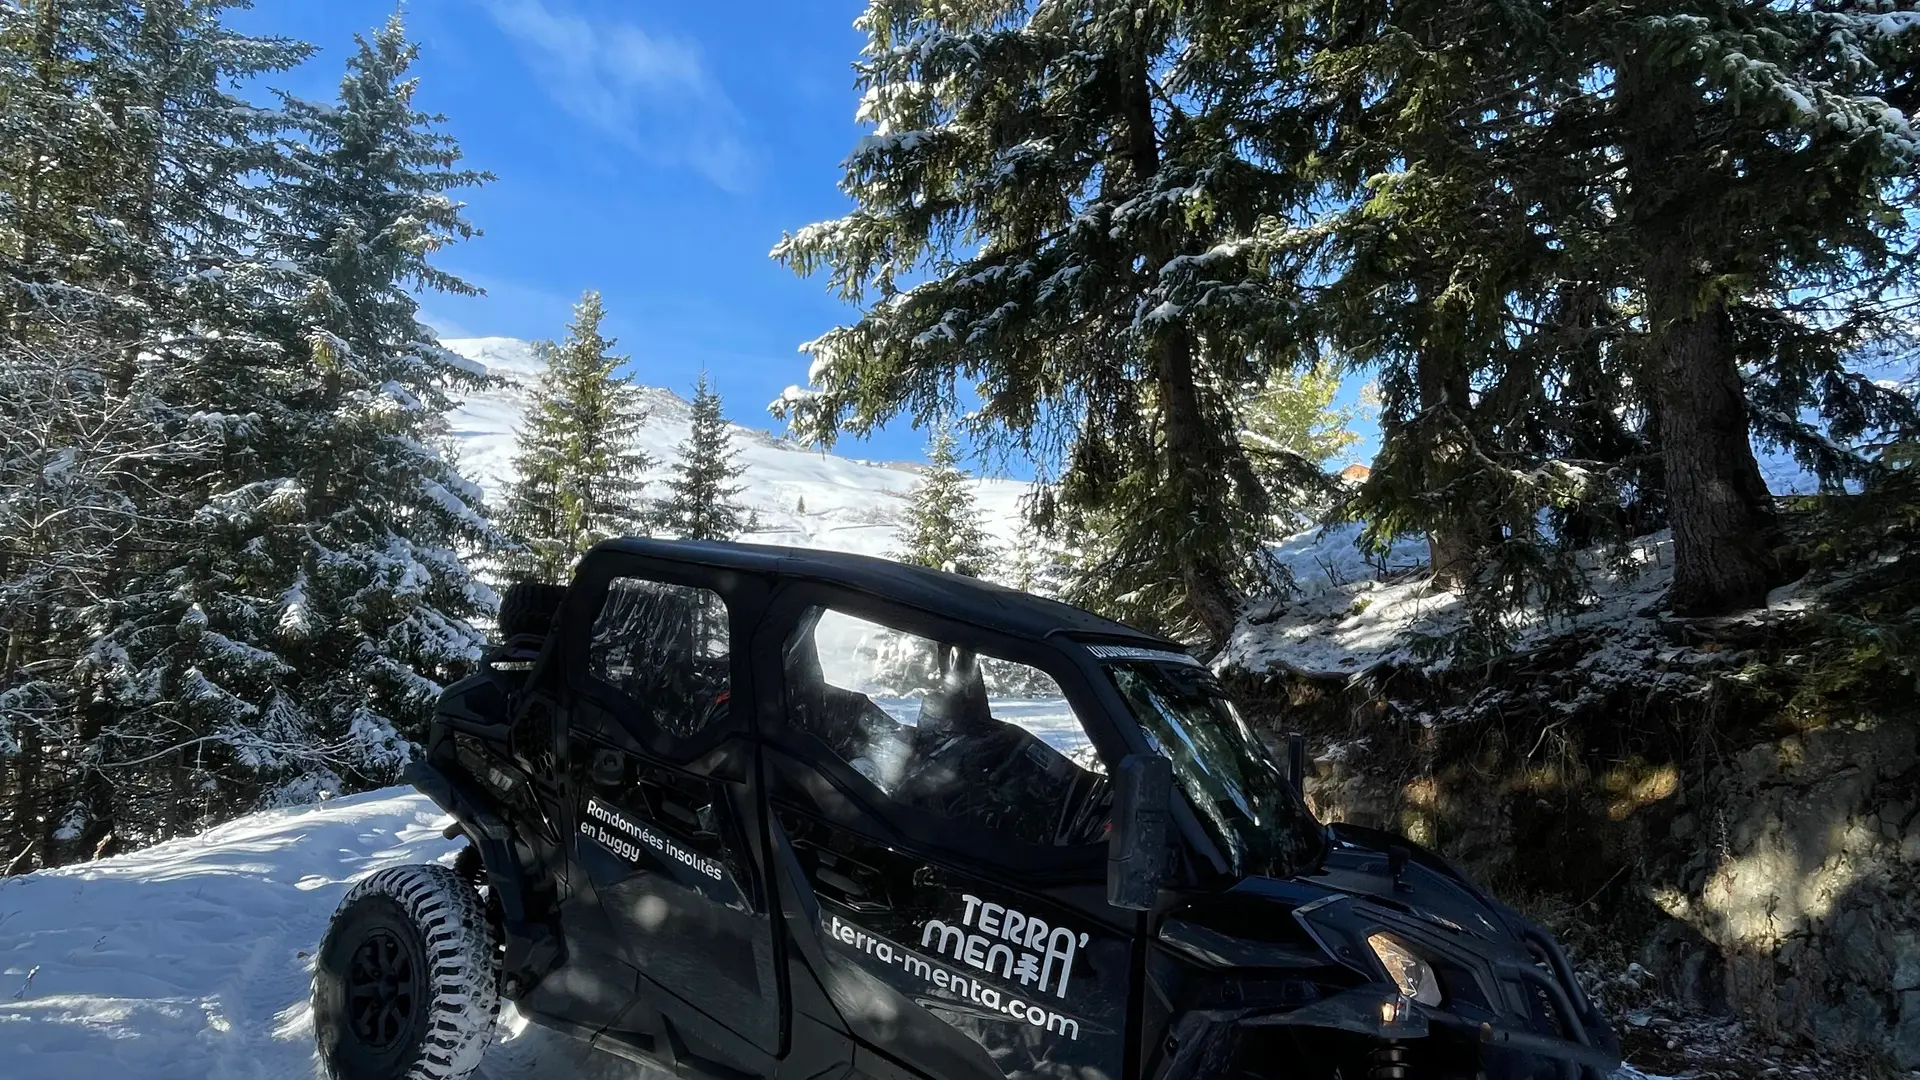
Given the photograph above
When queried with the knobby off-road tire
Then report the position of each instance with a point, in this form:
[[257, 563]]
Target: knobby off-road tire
[[404, 985], [528, 607]]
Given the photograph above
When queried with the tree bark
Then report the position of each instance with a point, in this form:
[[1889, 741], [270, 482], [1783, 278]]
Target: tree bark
[[1210, 595], [1724, 529], [1453, 537], [158, 38], [1195, 475], [46, 33]]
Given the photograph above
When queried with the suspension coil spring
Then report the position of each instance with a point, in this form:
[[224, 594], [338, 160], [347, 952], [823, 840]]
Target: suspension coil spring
[[1389, 1062]]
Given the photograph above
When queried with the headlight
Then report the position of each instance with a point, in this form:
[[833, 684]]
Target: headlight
[[1413, 975]]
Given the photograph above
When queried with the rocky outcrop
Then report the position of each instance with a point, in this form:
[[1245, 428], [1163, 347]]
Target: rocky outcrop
[[1810, 885]]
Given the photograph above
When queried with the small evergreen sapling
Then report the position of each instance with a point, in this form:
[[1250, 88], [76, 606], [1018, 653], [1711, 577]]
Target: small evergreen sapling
[[702, 501], [943, 522]]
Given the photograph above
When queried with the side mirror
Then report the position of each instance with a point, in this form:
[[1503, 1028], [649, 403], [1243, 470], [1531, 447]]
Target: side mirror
[[1137, 851]]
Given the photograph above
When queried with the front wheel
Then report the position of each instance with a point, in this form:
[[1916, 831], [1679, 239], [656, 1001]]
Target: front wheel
[[404, 987]]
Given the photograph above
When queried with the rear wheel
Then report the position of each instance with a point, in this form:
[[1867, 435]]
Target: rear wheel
[[404, 987]]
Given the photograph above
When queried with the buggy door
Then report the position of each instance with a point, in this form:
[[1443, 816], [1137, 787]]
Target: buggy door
[[661, 760], [938, 792]]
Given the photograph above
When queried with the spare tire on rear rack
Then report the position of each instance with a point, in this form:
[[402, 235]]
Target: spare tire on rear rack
[[528, 608]]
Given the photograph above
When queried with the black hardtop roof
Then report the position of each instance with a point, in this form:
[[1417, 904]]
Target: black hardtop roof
[[952, 595]]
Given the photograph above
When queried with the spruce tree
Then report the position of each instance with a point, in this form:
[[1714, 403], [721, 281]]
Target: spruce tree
[[327, 597], [702, 501], [577, 468], [943, 523], [1040, 565], [131, 192], [1090, 256], [1291, 430], [1293, 415], [1592, 253], [1764, 193]]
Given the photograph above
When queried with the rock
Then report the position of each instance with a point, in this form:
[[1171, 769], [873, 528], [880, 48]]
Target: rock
[[1691, 967], [1860, 836], [1762, 762], [1857, 1021], [1855, 949], [1910, 847], [1906, 962], [1682, 827], [1906, 1032]]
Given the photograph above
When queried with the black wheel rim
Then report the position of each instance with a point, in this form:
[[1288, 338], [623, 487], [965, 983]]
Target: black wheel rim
[[380, 990]]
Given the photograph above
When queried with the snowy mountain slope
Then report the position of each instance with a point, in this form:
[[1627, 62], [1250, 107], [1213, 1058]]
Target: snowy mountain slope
[[851, 505], [192, 960]]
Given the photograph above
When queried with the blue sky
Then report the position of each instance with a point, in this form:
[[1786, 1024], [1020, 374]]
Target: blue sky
[[654, 151]]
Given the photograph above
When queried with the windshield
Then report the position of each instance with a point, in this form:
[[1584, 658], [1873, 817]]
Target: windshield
[[1226, 772]]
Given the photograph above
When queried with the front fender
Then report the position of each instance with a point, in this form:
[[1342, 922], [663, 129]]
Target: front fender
[[533, 948]]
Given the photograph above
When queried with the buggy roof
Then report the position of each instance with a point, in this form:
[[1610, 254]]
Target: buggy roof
[[956, 596]]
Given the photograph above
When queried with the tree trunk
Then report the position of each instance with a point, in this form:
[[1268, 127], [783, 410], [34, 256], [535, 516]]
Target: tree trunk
[[1210, 594], [1193, 469], [157, 35], [1724, 529], [1453, 537], [31, 222]]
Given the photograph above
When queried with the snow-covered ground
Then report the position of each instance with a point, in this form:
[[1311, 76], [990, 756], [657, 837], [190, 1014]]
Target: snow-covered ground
[[1349, 614], [850, 505], [191, 960]]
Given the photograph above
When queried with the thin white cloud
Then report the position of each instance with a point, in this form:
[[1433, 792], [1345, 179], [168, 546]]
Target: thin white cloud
[[651, 92]]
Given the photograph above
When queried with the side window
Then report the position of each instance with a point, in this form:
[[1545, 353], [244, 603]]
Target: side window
[[946, 730], [666, 648]]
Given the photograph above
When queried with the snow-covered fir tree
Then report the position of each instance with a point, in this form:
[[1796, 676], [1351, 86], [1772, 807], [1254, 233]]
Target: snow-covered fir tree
[[136, 313], [1594, 255], [702, 500], [1040, 564], [943, 528], [577, 467], [326, 598], [1041, 212]]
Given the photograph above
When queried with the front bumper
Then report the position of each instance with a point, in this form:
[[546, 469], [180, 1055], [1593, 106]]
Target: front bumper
[[1509, 988]]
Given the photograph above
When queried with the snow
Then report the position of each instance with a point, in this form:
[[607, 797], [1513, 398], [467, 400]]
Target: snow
[[1349, 615], [851, 505], [455, 508], [192, 960]]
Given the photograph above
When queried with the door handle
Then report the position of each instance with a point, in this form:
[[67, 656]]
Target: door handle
[[849, 883], [847, 892], [695, 812]]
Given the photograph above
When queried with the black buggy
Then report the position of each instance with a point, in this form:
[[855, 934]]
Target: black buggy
[[740, 811]]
